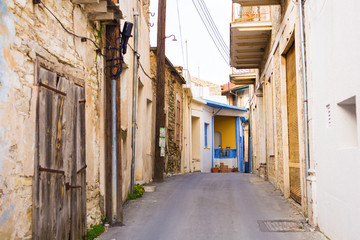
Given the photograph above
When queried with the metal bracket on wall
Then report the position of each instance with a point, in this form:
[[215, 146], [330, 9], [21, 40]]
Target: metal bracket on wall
[[68, 186]]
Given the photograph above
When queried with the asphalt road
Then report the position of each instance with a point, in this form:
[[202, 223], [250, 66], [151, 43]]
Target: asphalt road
[[208, 206]]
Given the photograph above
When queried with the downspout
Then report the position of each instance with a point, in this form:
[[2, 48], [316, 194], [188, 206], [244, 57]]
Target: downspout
[[305, 94], [212, 139], [135, 74], [113, 150]]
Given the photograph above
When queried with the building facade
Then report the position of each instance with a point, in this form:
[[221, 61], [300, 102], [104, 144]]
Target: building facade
[[301, 120], [55, 111]]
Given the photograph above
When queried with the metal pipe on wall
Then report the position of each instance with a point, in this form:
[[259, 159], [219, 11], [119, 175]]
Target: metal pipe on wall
[[305, 95], [135, 75], [113, 150]]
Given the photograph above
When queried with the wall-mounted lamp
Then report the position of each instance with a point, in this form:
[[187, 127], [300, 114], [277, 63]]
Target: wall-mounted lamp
[[172, 35]]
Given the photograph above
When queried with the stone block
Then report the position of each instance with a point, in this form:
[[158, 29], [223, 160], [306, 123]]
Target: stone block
[[149, 188]]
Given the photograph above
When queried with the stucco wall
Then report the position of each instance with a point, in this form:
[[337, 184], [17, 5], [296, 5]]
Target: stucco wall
[[145, 107], [333, 59]]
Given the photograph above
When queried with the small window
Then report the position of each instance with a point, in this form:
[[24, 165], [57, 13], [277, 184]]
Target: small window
[[206, 134]]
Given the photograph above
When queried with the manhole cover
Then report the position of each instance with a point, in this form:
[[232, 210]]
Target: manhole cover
[[282, 226]]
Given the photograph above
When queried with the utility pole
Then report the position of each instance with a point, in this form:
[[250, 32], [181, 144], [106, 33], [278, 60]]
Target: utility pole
[[160, 91]]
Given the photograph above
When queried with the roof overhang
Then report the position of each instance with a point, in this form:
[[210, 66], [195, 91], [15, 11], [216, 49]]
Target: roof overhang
[[257, 2], [243, 79], [224, 106], [248, 41]]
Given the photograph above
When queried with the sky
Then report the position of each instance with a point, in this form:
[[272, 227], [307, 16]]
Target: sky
[[204, 59]]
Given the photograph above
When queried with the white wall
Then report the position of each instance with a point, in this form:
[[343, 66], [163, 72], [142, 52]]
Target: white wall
[[206, 153], [333, 60]]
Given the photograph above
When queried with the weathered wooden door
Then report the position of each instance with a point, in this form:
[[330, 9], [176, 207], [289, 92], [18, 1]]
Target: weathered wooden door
[[60, 176], [294, 161]]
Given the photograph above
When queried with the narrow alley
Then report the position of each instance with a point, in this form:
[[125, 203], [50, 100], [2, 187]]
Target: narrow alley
[[202, 206], [243, 113]]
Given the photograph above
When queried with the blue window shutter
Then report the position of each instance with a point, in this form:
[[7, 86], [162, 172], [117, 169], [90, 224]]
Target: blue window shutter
[[206, 130]]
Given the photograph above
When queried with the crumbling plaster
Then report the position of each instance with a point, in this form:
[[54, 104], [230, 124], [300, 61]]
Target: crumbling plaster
[[27, 32]]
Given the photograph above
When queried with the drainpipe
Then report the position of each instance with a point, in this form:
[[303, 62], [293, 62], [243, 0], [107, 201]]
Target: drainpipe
[[213, 150], [304, 78], [135, 74], [113, 150]]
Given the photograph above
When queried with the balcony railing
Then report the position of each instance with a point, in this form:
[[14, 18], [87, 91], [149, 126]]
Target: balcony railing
[[249, 14], [225, 153]]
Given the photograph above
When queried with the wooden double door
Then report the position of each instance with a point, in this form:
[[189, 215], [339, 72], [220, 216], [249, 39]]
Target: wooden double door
[[293, 126], [60, 165]]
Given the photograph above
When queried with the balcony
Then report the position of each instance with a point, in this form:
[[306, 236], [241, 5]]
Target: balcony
[[243, 78], [245, 3], [249, 35]]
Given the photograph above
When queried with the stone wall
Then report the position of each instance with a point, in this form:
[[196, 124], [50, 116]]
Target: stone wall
[[27, 32], [215, 89], [173, 93]]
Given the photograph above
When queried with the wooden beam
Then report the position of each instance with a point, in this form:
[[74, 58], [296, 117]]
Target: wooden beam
[[246, 66], [250, 50], [259, 36], [251, 44], [250, 59], [247, 62]]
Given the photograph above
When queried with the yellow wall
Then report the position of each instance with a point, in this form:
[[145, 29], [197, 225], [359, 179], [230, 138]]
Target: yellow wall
[[226, 125]]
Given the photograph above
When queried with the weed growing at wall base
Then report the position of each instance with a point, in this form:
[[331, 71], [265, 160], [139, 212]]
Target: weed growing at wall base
[[96, 231], [138, 192]]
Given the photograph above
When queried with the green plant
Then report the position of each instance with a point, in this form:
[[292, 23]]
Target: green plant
[[96, 231], [138, 192]]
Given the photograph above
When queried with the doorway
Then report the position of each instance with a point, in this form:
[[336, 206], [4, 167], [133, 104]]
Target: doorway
[[195, 140], [293, 134]]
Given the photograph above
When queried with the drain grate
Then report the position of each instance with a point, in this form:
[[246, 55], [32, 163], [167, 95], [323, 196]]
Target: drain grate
[[282, 226]]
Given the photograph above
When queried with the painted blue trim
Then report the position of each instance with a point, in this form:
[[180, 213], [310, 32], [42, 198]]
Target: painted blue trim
[[243, 119], [237, 142], [224, 106], [206, 126], [212, 139], [212, 142], [241, 89], [240, 145]]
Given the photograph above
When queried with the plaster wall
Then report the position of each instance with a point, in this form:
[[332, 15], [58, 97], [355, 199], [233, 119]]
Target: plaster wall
[[333, 36], [145, 106], [206, 152]]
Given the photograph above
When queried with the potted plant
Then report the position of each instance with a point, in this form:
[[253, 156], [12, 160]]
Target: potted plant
[[235, 169], [215, 169]]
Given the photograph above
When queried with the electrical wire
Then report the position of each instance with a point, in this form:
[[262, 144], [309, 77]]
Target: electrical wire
[[215, 29], [208, 30], [216, 42], [141, 66], [212, 26], [181, 39], [98, 49]]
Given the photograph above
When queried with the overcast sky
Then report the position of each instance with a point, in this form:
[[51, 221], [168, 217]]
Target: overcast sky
[[204, 59]]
